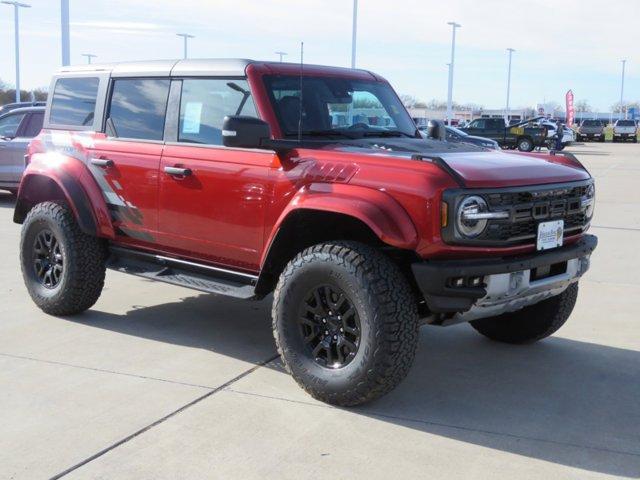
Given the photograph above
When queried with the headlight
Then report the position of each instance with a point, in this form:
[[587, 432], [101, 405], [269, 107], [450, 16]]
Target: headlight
[[589, 201], [469, 220]]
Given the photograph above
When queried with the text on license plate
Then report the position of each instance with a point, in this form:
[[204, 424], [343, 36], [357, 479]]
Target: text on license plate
[[550, 234]]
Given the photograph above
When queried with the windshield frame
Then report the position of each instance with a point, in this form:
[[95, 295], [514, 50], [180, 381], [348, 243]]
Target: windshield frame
[[345, 132]]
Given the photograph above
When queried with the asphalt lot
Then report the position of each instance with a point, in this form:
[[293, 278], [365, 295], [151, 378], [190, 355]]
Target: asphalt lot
[[162, 382]]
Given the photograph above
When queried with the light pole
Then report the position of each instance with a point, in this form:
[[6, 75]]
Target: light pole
[[185, 37], [506, 113], [281, 54], [64, 32], [454, 26], [354, 32], [16, 27], [624, 62], [88, 56]]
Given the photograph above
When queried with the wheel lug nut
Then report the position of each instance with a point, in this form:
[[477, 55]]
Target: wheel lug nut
[[326, 332], [324, 320], [335, 337], [342, 329]]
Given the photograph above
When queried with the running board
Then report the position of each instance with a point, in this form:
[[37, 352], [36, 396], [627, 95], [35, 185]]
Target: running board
[[192, 275]]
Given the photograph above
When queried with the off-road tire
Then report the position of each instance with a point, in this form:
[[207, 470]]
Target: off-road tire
[[83, 256], [525, 144], [532, 323], [388, 315]]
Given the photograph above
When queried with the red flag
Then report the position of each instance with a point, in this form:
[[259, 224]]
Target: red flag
[[570, 110]]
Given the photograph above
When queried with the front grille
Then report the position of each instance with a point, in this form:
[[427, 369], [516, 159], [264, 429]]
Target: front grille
[[507, 199], [527, 207]]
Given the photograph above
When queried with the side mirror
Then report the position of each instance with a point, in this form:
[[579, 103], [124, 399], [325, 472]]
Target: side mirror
[[240, 131], [436, 130]]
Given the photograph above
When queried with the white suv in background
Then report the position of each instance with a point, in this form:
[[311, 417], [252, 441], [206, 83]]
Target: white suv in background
[[624, 130]]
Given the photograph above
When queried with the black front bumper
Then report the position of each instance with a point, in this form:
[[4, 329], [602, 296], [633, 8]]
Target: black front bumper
[[433, 276]]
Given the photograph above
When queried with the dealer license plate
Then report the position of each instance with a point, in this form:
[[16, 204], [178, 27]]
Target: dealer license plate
[[550, 234]]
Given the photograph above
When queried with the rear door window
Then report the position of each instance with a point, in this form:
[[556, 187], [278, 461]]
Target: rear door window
[[137, 109], [205, 103], [74, 101]]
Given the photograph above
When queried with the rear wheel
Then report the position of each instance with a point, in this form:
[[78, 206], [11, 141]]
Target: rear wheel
[[63, 268], [345, 322], [532, 323], [525, 144]]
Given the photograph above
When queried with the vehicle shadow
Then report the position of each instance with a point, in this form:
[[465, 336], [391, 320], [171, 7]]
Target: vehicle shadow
[[563, 401], [7, 200]]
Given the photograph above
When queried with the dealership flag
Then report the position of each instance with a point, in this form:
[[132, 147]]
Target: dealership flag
[[570, 111]]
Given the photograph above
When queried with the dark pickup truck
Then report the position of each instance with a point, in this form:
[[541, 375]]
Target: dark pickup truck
[[523, 136]]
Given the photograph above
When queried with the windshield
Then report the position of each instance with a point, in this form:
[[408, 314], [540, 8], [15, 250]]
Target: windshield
[[591, 123], [626, 123], [457, 131], [338, 107]]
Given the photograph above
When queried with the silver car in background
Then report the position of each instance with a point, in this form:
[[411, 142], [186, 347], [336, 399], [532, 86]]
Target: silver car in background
[[624, 130], [17, 128]]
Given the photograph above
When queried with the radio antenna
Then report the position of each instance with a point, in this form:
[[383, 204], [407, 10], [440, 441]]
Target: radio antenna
[[300, 107]]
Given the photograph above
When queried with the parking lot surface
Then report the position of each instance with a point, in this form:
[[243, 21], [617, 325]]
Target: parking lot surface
[[161, 382]]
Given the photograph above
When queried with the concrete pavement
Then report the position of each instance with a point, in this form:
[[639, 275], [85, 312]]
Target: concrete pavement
[[161, 382]]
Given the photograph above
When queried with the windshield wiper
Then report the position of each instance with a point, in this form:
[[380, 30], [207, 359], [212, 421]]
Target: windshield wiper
[[326, 133], [387, 133]]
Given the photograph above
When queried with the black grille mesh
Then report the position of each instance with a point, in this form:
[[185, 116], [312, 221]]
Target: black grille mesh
[[530, 208]]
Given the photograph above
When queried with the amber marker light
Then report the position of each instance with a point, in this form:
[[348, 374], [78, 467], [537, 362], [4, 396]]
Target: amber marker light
[[444, 214]]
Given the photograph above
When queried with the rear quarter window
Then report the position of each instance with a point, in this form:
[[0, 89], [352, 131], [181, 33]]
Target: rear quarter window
[[74, 101], [34, 125]]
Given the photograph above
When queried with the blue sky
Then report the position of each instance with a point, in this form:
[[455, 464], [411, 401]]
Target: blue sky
[[575, 44]]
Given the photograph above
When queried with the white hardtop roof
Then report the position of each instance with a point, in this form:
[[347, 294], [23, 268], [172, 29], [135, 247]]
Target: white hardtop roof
[[152, 68]]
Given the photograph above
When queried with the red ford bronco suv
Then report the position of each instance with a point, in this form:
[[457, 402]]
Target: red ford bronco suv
[[244, 178]]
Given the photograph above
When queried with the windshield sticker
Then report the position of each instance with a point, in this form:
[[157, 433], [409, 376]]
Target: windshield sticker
[[192, 115]]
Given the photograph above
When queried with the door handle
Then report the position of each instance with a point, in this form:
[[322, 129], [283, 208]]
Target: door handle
[[178, 171], [102, 162]]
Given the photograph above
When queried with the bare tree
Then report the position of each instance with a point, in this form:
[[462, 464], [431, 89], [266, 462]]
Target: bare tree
[[408, 101], [583, 106], [618, 108]]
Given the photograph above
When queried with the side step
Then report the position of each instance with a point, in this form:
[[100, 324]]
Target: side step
[[183, 273]]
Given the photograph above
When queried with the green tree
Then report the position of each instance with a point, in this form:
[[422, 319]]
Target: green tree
[[8, 94]]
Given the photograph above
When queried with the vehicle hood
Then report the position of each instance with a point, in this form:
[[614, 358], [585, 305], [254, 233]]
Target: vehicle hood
[[478, 140], [475, 167], [591, 129]]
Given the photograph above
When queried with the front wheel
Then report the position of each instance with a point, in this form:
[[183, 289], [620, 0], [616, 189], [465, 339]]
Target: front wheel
[[63, 268], [532, 323], [345, 322]]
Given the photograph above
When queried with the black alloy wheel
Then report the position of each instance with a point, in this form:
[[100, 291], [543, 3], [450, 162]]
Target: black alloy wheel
[[330, 326], [48, 260]]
